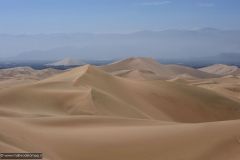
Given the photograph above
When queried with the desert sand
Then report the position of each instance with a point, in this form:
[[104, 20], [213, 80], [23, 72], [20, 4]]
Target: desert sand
[[126, 110]]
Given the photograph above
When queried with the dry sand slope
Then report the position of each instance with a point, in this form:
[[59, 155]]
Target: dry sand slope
[[86, 113]]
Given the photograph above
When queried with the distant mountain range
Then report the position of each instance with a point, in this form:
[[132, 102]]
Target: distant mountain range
[[158, 44]]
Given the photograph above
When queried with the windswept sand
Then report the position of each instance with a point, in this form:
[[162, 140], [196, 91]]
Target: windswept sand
[[87, 113]]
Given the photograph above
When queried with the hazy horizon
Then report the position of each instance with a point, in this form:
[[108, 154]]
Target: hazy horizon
[[108, 29]]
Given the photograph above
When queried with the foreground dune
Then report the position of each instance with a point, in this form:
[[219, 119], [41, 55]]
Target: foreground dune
[[89, 114], [92, 137]]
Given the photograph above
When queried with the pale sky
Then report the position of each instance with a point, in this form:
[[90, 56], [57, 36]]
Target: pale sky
[[104, 16]]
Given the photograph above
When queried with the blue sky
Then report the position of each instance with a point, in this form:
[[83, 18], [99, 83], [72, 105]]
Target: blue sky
[[103, 16]]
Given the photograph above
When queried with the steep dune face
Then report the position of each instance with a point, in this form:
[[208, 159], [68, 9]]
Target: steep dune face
[[159, 71], [89, 91], [221, 69]]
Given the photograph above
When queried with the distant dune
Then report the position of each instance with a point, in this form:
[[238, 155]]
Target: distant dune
[[161, 71], [121, 111], [67, 62], [221, 69]]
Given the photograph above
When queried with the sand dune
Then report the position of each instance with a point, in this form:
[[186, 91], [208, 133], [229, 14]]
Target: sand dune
[[137, 65], [87, 113], [221, 69]]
